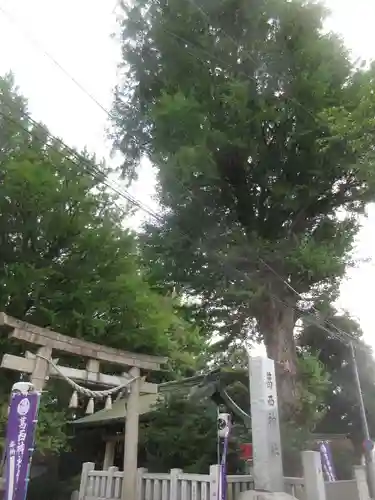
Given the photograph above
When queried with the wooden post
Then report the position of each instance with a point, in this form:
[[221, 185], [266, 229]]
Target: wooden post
[[86, 468], [313, 474], [109, 454], [41, 368], [131, 438]]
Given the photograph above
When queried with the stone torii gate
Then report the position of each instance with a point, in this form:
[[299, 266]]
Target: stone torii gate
[[41, 366]]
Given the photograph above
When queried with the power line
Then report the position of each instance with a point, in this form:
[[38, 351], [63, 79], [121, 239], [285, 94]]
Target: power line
[[35, 42], [290, 287], [49, 56], [90, 167]]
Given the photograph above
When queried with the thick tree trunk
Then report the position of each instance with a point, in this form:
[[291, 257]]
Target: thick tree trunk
[[276, 325]]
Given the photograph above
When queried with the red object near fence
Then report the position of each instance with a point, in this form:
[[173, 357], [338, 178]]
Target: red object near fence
[[246, 451]]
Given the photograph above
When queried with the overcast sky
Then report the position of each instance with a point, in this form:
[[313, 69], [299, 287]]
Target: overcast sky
[[77, 34]]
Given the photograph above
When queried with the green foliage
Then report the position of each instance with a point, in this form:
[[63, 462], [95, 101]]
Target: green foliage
[[51, 433], [182, 433], [179, 434], [314, 385], [355, 126], [66, 260], [252, 115]]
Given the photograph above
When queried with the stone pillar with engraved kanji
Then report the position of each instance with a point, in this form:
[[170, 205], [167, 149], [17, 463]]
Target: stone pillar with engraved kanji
[[268, 468]]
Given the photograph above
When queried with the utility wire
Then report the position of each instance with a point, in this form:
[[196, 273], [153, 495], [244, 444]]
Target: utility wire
[[90, 167], [49, 56], [38, 45], [239, 71], [290, 287]]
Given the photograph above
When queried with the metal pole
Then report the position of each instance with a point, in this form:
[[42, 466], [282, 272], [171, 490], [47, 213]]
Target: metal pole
[[368, 454]]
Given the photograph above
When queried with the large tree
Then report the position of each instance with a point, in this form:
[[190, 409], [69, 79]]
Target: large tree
[[246, 109], [66, 262]]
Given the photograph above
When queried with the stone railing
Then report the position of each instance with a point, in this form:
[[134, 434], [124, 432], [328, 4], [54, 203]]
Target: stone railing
[[177, 485]]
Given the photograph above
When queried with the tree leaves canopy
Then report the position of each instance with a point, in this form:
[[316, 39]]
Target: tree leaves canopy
[[67, 262]]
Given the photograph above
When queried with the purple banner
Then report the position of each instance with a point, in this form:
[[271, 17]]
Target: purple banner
[[327, 463], [23, 410]]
